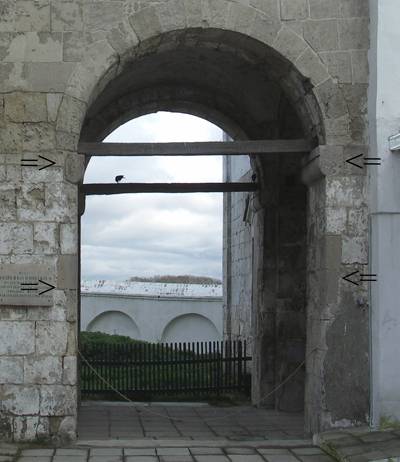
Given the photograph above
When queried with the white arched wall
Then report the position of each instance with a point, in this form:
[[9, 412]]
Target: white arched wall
[[190, 327], [115, 322]]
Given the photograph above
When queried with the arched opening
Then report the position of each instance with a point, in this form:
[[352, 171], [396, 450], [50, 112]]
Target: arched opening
[[254, 93], [114, 322], [191, 328]]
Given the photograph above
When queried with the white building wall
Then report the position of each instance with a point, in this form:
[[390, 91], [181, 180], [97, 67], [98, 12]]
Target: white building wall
[[384, 110], [153, 319], [237, 253]]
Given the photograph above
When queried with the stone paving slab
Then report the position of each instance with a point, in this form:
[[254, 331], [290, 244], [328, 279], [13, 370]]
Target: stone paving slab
[[361, 445], [245, 452]]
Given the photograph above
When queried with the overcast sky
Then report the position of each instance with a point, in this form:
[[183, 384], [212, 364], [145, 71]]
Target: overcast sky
[[148, 234]]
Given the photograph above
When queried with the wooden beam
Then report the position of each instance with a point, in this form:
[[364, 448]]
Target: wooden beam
[[128, 188], [233, 148]]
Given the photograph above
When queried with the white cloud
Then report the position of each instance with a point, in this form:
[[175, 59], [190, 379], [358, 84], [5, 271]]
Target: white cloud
[[129, 235]]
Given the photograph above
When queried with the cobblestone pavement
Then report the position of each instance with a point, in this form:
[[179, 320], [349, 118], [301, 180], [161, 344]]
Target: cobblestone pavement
[[362, 445], [125, 421], [166, 454]]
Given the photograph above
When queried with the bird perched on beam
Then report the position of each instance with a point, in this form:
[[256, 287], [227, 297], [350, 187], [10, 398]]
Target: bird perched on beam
[[119, 178]]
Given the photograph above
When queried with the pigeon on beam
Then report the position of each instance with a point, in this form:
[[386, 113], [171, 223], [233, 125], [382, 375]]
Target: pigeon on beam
[[119, 178]]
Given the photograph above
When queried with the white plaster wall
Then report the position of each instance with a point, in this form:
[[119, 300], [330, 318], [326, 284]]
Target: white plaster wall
[[153, 315], [384, 111]]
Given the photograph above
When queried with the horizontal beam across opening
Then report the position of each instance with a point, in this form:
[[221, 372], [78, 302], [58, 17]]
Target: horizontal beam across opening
[[128, 188], [230, 148]]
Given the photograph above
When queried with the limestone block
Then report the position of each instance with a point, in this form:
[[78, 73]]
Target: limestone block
[[357, 222], [51, 337], [99, 58], [66, 16], [145, 23], [240, 18], [331, 99], [360, 67], [25, 428], [310, 65], [355, 250], [71, 115], [25, 107], [67, 141], [324, 9], [336, 220], [32, 15], [11, 369], [75, 165], [322, 35], [102, 14], [47, 77], [294, 9], [45, 237], [353, 33], [35, 47], [69, 239], [354, 8], [22, 238], [58, 400], [289, 44], [53, 105], [67, 277], [31, 204], [38, 137], [11, 137], [19, 399], [269, 7], [337, 131], [345, 192], [61, 202], [172, 15], [193, 13], [72, 339], [69, 370], [74, 45], [7, 15], [264, 28], [57, 313], [67, 428], [214, 12], [339, 65], [43, 370], [122, 38], [7, 202]]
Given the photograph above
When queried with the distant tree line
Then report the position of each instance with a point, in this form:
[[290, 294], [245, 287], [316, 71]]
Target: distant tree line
[[172, 279]]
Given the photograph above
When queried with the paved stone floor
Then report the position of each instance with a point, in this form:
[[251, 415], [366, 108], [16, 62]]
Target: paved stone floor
[[125, 421], [166, 454], [362, 445]]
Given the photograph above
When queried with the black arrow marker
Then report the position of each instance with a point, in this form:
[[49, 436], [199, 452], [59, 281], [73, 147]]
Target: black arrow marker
[[50, 287], [363, 278], [367, 161], [35, 163], [347, 278]]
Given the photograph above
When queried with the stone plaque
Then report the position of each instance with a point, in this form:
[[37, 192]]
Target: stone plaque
[[26, 285]]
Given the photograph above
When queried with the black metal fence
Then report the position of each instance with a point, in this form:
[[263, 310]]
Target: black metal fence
[[144, 370]]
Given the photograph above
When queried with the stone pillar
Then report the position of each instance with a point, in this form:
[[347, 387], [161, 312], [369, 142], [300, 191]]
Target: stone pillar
[[337, 373], [38, 226]]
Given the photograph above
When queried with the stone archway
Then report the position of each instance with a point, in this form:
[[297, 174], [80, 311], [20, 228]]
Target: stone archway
[[319, 100]]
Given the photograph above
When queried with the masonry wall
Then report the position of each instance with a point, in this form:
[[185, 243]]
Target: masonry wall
[[57, 56], [384, 220]]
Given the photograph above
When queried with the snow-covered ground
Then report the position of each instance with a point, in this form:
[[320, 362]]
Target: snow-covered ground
[[150, 289]]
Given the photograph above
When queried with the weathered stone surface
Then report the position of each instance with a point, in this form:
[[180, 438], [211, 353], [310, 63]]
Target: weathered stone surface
[[19, 399], [32, 15], [12, 369], [35, 47], [43, 370], [294, 9], [69, 239], [25, 107], [57, 400], [69, 376], [66, 16], [51, 337]]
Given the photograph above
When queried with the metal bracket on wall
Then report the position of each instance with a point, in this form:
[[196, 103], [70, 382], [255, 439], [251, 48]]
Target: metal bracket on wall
[[394, 142]]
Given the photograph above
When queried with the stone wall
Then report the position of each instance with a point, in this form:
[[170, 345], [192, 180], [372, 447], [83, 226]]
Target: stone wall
[[57, 57]]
